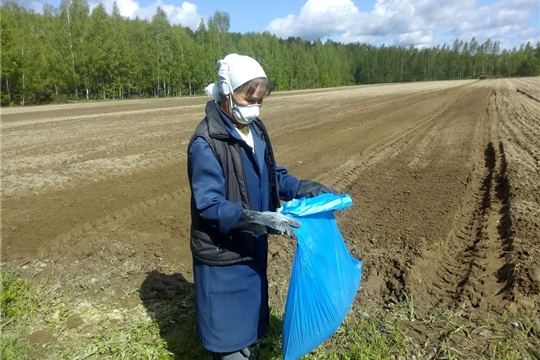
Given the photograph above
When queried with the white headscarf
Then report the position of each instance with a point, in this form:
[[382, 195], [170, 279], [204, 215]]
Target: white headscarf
[[233, 71]]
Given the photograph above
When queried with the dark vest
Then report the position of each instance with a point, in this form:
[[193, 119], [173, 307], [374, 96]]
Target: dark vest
[[207, 244]]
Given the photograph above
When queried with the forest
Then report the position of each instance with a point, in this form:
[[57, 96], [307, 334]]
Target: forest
[[73, 54]]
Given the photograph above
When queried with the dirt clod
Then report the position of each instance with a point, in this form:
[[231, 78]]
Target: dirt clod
[[41, 337], [73, 322], [534, 274], [129, 303]]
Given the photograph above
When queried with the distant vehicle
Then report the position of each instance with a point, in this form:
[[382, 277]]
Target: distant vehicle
[[483, 76]]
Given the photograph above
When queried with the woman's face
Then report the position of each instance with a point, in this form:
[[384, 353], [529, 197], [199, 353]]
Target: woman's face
[[242, 98]]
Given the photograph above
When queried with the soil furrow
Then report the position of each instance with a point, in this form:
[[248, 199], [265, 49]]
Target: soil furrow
[[417, 269], [519, 124], [444, 178], [528, 95], [345, 176]]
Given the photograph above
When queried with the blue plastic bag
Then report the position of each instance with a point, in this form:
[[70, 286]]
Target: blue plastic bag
[[324, 277]]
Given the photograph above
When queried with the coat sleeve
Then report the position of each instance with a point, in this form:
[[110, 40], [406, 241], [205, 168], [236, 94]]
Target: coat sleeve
[[287, 184], [208, 187]]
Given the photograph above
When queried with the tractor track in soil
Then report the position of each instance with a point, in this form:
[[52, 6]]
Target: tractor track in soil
[[519, 129], [443, 177], [427, 148]]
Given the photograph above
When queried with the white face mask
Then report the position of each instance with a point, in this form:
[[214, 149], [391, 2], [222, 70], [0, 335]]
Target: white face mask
[[245, 114]]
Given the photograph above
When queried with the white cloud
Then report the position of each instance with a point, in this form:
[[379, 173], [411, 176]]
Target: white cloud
[[418, 38], [507, 16], [317, 19], [417, 22], [127, 7], [531, 33], [35, 5], [393, 22], [185, 15], [437, 13]]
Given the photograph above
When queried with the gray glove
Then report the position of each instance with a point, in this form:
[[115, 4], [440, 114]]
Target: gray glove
[[266, 222], [309, 189]]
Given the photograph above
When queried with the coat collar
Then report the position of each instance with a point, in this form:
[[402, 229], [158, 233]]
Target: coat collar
[[217, 125], [220, 126]]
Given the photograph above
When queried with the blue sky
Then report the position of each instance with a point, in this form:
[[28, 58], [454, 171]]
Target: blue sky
[[392, 22]]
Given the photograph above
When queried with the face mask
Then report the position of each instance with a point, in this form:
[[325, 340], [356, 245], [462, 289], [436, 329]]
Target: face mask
[[244, 114]]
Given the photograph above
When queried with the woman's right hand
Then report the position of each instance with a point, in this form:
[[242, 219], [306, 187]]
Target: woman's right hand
[[266, 222]]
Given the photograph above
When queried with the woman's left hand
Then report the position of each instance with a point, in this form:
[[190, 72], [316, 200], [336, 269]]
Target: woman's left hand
[[309, 189]]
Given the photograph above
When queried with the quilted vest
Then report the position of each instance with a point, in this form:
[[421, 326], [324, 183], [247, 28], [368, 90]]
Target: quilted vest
[[208, 245]]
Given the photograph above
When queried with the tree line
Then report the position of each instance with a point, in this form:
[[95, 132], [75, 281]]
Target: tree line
[[72, 53]]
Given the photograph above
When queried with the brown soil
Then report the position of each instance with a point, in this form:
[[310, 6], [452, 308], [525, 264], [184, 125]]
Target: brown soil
[[445, 179]]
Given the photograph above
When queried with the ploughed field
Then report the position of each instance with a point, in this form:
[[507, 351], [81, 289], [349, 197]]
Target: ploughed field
[[444, 176]]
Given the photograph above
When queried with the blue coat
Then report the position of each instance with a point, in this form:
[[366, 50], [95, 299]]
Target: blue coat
[[231, 301]]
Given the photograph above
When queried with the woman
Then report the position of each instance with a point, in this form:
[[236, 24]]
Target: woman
[[236, 188]]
